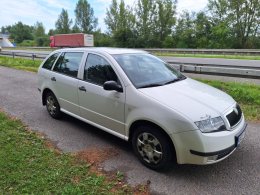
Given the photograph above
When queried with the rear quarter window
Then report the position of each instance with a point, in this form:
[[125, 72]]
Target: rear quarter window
[[50, 61], [68, 63]]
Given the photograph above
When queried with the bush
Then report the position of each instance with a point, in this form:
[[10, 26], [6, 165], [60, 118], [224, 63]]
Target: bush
[[27, 43], [42, 41]]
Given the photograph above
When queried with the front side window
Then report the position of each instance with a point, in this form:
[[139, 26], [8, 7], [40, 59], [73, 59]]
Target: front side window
[[50, 61], [98, 70], [68, 63]]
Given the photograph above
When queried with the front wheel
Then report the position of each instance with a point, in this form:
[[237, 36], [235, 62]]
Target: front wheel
[[53, 106], [152, 147]]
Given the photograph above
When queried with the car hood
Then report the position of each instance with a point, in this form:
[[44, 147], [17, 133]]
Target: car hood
[[193, 99]]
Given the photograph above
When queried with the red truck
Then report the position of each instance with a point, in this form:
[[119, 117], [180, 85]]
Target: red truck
[[72, 40]]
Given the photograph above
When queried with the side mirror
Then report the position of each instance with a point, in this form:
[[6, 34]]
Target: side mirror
[[112, 86]]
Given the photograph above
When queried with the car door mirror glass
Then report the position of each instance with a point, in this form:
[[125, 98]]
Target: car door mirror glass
[[112, 86]]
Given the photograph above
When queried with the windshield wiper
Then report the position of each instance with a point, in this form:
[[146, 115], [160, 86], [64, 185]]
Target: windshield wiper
[[151, 85], [175, 80]]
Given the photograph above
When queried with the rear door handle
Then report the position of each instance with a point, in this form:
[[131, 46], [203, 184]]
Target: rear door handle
[[53, 78], [82, 88]]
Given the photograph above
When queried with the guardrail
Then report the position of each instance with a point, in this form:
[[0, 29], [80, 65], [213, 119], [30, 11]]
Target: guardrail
[[213, 69], [249, 52], [198, 68], [25, 54]]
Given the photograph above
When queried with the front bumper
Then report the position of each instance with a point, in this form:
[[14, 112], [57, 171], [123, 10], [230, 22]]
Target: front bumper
[[195, 147]]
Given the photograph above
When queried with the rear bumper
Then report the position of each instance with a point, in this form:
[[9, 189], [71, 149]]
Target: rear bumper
[[195, 147]]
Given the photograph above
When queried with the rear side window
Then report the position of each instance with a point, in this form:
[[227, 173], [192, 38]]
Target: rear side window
[[68, 63], [98, 70], [49, 62]]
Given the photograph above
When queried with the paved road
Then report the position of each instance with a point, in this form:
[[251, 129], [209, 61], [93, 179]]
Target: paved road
[[215, 61], [239, 174], [223, 78]]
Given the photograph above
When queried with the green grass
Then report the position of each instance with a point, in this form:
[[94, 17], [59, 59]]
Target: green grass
[[20, 63], [28, 166], [247, 95], [240, 57]]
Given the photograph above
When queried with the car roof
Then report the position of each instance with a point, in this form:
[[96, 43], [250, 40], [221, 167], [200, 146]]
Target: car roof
[[108, 50]]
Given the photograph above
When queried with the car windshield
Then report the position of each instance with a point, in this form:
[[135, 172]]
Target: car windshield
[[146, 70]]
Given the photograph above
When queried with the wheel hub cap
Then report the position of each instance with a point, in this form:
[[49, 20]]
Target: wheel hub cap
[[51, 105], [149, 148]]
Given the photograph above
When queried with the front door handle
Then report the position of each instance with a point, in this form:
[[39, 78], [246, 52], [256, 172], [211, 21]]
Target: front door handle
[[53, 78], [82, 88]]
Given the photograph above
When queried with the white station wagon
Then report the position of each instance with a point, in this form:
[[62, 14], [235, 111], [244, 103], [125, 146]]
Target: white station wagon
[[139, 98]]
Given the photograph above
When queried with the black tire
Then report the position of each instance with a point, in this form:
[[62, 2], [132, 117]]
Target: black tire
[[53, 106], [152, 147]]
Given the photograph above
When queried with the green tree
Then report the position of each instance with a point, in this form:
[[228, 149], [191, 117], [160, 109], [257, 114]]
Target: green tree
[[20, 32], [85, 19], [102, 39], [184, 33], [51, 32], [165, 18], [38, 30], [63, 23], [40, 38], [242, 16], [202, 30], [5, 30], [145, 16], [75, 29], [120, 22], [246, 15], [112, 17]]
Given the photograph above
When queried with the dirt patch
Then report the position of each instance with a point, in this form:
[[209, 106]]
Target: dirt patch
[[95, 156], [52, 146]]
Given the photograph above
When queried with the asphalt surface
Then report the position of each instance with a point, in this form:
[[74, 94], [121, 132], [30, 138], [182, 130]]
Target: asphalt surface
[[239, 174], [214, 61], [223, 78]]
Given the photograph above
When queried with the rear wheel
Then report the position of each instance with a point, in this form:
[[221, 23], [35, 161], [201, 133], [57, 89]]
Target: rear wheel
[[152, 147], [53, 106]]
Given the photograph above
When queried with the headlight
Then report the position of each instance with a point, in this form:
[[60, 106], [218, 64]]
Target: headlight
[[211, 125]]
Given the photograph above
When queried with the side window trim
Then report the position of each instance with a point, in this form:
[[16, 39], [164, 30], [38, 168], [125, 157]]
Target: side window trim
[[102, 56], [56, 60], [50, 55], [80, 64]]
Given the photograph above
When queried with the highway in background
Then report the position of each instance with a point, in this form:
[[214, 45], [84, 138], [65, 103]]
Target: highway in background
[[211, 66], [214, 61], [194, 60]]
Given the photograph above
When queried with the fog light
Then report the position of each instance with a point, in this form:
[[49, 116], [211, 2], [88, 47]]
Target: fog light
[[212, 158]]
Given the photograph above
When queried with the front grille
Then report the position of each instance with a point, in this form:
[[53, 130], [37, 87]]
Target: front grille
[[235, 116]]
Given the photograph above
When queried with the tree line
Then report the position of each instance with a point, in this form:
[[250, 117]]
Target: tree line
[[155, 23]]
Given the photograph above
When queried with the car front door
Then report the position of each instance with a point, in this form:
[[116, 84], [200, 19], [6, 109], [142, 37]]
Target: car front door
[[105, 108], [65, 81]]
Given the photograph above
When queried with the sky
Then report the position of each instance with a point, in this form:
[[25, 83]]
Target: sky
[[47, 11]]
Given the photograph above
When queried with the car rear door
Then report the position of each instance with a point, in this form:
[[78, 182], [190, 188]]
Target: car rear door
[[65, 80], [105, 108]]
